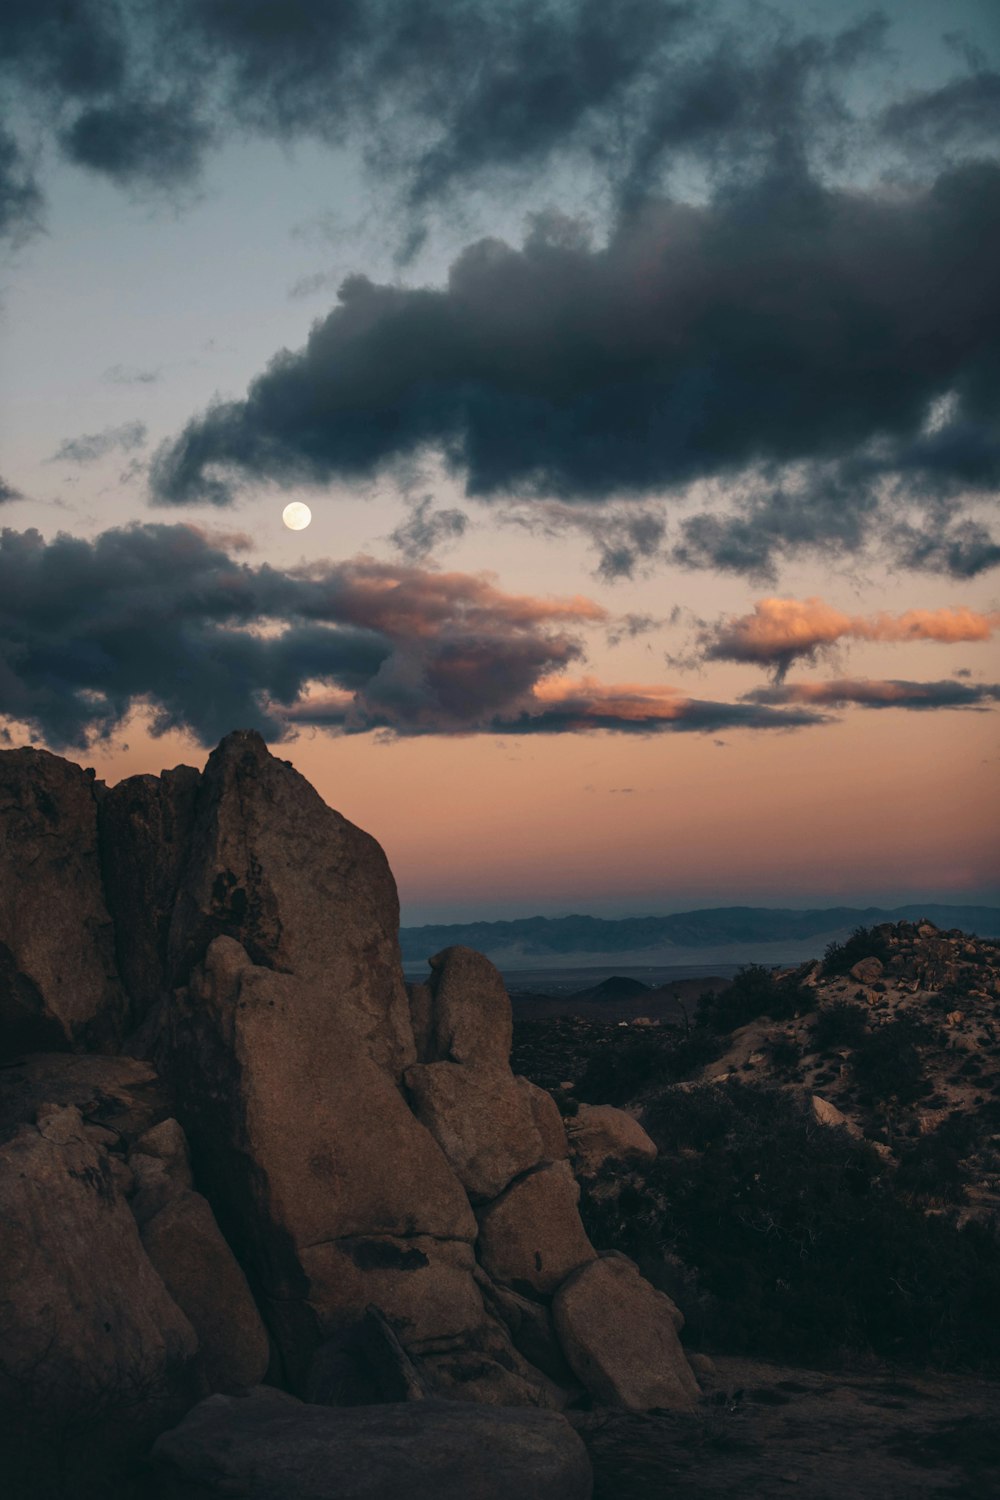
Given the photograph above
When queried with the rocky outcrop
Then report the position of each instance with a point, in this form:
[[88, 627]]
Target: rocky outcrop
[[481, 1120], [531, 1236], [548, 1120], [301, 889], [264, 1445], [145, 825], [336, 1193], [59, 986], [201, 1274], [402, 1209], [620, 1337], [471, 1018], [119, 1094], [84, 1318]]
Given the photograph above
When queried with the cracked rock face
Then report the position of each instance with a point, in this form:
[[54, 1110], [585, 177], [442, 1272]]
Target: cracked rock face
[[59, 986], [304, 891], [314, 1142], [84, 1316], [306, 1145]]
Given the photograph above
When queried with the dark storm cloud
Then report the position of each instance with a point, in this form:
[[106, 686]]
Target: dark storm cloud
[[963, 114], [164, 618], [138, 141], [8, 492], [440, 96], [163, 615], [89, 447], [787, 340], [866, 693], [74, 48], [426, 529]]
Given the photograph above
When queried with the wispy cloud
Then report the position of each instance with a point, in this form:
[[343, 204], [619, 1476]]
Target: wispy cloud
[[90, 447], [874, 693]]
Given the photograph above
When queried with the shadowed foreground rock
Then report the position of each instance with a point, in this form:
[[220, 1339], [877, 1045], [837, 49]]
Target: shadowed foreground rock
[[266, 1446], [300, 1168]]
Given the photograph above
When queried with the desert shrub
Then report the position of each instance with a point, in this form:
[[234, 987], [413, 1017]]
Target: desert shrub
[[887, 1065], [755, 991], [785, 1054], [864, 942], [932, 1167], [633, 1060], [841, 1024], [780, 1237]]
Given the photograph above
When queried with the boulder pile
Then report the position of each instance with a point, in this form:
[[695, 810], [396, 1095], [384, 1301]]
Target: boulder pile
[[236, 1147]]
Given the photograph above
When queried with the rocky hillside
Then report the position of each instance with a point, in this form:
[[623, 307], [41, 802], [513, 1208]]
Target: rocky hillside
[[238, 1154], [828, 1177]]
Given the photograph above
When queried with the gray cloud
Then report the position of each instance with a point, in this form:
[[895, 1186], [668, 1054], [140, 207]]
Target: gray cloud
[[8, 492], [137, 140], [626, 538], [166, 618], [788, 342], [20, 195], [448, 95], [874, 693], [962, 114], [425, 530], [89, 447]]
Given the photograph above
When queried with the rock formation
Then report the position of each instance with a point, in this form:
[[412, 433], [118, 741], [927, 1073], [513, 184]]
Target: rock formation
[[59, 986], [303, 1168]]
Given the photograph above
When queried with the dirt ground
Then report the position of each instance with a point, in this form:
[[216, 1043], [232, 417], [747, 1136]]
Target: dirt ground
[[768, 1430]]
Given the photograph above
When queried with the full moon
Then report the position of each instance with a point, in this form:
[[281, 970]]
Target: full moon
[[296, 516]]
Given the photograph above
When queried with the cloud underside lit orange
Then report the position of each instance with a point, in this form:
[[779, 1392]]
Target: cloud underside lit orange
[[780, 630]]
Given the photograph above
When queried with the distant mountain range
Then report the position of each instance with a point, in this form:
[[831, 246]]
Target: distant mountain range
[[715, 929]]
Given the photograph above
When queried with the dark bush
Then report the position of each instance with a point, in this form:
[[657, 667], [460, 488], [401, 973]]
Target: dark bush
[[887, 1065], [755, 991], [633, 1060], [932, 1167], [839, 1025], [782, 1238], [864, 942], [785, 1054]]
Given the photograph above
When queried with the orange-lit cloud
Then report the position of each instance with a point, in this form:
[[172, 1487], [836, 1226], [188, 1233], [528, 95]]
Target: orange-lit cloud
[[779, 631], [401, 599]]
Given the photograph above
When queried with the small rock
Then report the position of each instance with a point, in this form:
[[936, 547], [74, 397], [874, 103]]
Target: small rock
[[867, 970], [825, 1113]]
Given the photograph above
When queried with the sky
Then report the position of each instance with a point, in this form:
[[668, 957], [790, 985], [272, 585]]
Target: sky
[[639, 365]]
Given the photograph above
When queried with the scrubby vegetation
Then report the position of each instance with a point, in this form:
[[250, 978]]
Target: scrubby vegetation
[[779, 1236], [755, 991], [778, 1233], [842, 1024], [864, 942], [630, 1061]]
